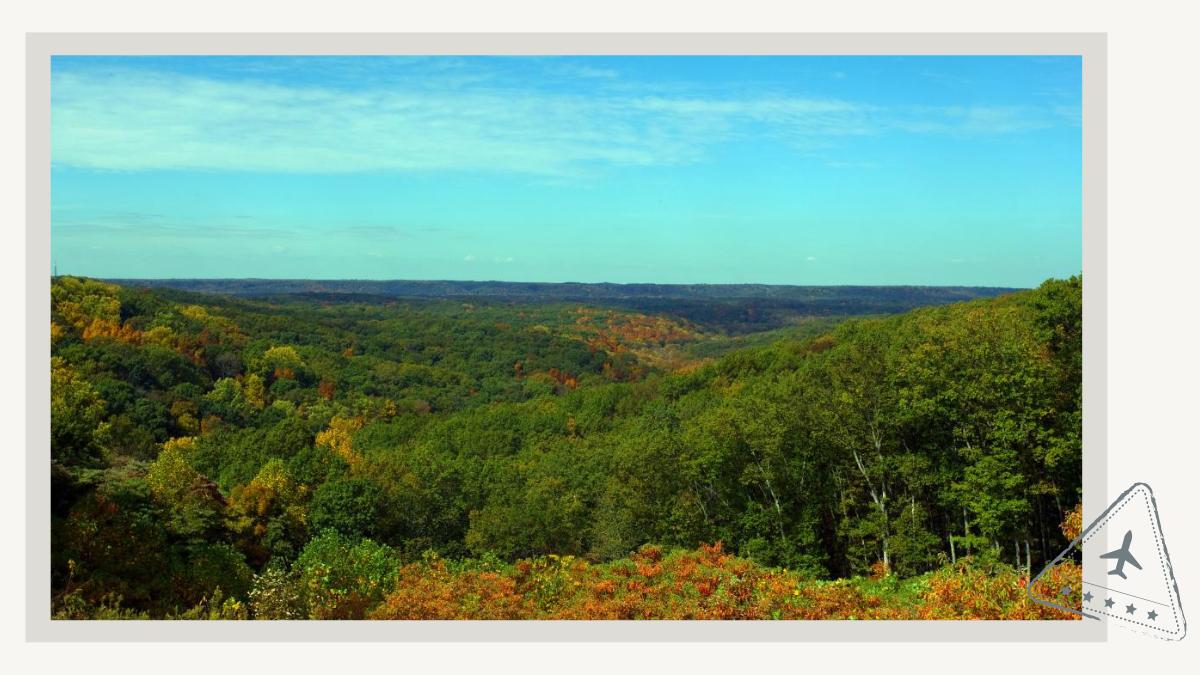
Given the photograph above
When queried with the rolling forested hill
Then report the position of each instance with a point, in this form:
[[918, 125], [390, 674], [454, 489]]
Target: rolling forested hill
[[726, 308], [331, 449]]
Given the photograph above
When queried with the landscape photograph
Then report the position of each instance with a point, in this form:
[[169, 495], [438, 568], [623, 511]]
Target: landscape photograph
[[565, 338]]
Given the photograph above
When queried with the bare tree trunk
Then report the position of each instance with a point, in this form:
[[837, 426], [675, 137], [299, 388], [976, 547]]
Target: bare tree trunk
[[1041, 527], [700, 498], [878, 499], [771, 490], [966, 531]]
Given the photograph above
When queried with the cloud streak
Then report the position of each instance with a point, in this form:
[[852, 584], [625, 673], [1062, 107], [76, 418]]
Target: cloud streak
[[132, 119], [152, 225]]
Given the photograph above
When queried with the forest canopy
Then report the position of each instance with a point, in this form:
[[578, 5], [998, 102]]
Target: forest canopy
[[324, 456]]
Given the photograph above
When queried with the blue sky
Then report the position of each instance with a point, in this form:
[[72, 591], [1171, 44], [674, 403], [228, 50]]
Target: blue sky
[[791, 170]]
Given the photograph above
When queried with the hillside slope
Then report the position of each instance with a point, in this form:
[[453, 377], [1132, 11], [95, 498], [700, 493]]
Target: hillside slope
[[203, 442]]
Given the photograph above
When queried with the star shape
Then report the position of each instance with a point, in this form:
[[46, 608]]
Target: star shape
[[1152, 615], [1108, 602], [1087, 597], [1130, 609], [1066, 590]]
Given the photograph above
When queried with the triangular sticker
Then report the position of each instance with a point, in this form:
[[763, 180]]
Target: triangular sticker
[[1127, 575]]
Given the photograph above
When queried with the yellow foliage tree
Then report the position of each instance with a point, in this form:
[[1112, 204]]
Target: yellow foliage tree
[[184, 412], [254, 391], [161, 336], [81, 301], [271, 498], [285, 356], [170, 477], [337, 438]]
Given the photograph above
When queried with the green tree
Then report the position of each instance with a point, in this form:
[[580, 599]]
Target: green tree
[[355, 507], [76, 411], [342, 577]]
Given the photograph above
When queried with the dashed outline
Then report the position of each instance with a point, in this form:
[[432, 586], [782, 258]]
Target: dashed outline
[[1167, 569], [1161, 556]]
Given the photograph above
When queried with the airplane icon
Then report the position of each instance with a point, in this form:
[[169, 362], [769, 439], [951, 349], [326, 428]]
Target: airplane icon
[[1122, 556]]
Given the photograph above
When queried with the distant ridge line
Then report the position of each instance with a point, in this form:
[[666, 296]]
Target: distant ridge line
[[443, 288], [738, 308]]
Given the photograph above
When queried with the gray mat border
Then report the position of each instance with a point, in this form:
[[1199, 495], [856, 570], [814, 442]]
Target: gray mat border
[[41, 46]]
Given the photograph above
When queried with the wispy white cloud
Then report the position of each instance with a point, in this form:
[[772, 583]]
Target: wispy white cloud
[[153, 225], [843, 164], [974, 120], [371, 232], [133, 119], [575, 69]]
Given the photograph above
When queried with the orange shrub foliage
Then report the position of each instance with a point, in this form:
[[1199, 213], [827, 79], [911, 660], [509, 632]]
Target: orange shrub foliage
[[961, 592], [429, 590], [1072, 526], [707, 583], [880, 570]]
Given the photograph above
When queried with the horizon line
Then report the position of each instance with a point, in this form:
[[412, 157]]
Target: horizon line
[[553, 283]]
